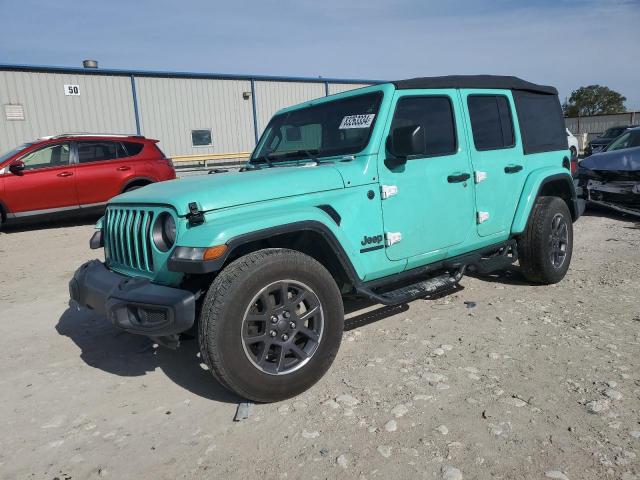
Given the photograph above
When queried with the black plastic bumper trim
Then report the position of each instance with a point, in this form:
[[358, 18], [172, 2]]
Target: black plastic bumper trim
[[184, 265], [133, 304]]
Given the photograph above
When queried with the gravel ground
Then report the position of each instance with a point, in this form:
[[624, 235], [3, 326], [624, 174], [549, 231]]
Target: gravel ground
[[500, 380]]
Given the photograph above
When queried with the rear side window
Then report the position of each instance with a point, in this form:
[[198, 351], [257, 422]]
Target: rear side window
[[491, 122], [99, 151], [132, 148], [435, 116], [541, 122]]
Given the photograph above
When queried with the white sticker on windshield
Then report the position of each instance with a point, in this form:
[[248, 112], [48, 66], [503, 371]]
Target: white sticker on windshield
[[357, 121]]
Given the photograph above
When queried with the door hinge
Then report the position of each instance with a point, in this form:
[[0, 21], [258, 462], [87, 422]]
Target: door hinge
[[387, 191], [391, 238], [480, 176], [482, 217]]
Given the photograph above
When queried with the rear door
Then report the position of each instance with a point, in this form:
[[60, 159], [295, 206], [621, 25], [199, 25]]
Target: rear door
[[103, 168], [497, 156], [46, 184], [432, 208]]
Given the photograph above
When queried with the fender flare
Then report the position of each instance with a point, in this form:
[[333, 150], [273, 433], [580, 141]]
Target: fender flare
[[201, 267], [531, 191], [134, 180]]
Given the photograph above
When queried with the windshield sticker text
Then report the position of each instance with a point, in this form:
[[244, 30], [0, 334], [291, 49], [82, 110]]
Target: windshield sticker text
[[357, 121]]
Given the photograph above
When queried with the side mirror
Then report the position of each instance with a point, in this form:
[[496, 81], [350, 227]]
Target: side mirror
[[16, 167], [406, 141]]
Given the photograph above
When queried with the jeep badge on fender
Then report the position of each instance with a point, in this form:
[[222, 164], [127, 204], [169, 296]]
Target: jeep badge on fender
[[256, 262], [369, 240]]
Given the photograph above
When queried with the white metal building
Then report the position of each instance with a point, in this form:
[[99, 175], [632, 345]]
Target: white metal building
[[192, 114]]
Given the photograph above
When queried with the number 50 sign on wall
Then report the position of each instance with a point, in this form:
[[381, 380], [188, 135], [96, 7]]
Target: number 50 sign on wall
[[72, 89]]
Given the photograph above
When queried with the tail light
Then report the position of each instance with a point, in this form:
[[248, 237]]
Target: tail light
[[574, 166]]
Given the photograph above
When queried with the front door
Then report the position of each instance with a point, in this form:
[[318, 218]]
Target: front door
[[46, 184], [432, 208], [497, 157]]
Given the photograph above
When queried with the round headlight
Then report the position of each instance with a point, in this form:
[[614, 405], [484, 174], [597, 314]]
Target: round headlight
[[164, 232]]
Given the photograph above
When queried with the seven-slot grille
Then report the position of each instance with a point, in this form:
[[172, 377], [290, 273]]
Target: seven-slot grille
[[127, 237]]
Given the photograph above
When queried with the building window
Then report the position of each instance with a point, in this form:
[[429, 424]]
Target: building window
[[201, 138], [491, 122]]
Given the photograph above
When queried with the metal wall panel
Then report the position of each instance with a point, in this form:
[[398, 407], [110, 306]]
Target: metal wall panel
[[595, 125], [105, 105], [272, 96], [344, 87], [170, 108]]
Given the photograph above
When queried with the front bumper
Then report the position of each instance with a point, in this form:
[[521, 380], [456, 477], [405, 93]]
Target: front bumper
[[133, 304]]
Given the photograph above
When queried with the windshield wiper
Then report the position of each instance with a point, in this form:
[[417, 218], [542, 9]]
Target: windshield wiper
[[311, 154], [263, 159]]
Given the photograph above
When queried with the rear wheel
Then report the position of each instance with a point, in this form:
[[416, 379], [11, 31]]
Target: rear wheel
[[546, 246], [271, 324]]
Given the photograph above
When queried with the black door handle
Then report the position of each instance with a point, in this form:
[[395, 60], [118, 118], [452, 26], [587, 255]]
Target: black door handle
[[459, 177], [512, 169]]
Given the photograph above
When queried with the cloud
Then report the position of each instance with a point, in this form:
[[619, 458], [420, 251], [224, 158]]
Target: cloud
[[564, 43]]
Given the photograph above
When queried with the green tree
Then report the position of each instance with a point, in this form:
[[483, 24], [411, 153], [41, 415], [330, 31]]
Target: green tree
[[594, 100]]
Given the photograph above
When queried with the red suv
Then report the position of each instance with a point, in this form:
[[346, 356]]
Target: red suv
[[72, 172]]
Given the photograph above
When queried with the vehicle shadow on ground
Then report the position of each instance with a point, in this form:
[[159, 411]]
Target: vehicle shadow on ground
[[510, 276], [382, 312], [598, 211], [46, 224], [370, 316], [127, 355]]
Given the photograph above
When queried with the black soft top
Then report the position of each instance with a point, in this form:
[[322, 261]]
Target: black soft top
[[475, 81]]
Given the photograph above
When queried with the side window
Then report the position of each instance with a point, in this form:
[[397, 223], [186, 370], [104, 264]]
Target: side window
[[541, 122], [435, 116], [97, 151], [51, 156], [491, 122], [131, 149]]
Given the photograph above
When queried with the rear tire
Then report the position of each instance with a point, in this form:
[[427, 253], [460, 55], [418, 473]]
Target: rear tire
[[271, 324], [546, 245]]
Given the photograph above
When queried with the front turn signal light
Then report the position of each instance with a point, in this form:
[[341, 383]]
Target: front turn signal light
[[213, 253]]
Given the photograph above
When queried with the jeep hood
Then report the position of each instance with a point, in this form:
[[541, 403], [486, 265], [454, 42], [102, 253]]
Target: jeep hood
[[222, 190]]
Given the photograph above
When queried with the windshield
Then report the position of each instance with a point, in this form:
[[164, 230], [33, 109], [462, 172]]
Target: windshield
[[628, 140], [11, 153], [339, 127], [613, 132]]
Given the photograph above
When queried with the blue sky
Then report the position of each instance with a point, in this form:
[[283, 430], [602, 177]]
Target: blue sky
[[563, 43]]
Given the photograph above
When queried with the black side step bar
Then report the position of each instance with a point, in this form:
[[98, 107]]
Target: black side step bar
[[419, 289], [502, 258], [420, 282]]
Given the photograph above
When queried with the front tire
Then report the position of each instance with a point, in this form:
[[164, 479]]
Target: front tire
[[271, 324], [546, 245]]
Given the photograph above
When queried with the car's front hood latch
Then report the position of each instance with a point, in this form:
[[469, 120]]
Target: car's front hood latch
[[195, 215]]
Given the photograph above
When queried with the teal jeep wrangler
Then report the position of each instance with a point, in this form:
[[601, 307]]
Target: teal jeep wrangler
[[389, 192]]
